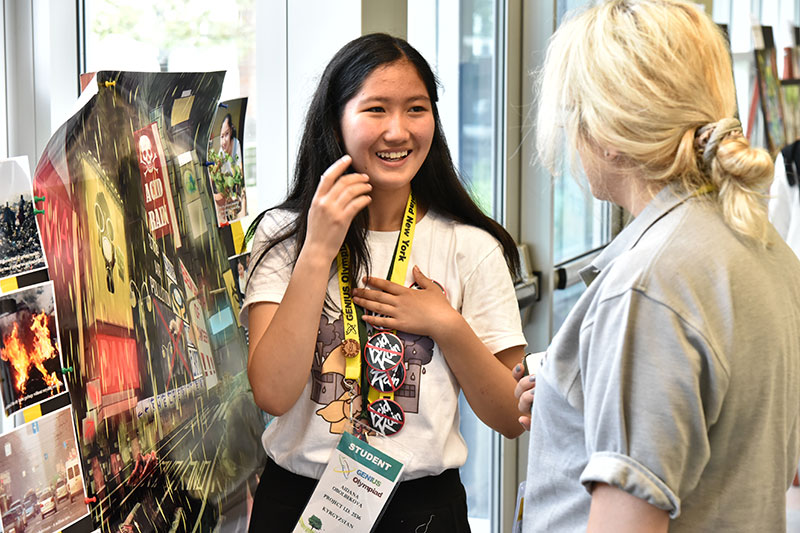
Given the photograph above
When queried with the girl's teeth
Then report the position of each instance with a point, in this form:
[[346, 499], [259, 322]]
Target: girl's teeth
[[393, 155]]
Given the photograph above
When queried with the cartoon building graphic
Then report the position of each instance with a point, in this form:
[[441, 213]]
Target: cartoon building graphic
[[328, 369]]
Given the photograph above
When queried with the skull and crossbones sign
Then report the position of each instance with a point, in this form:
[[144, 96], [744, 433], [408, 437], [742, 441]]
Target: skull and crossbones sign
[[147, 156]]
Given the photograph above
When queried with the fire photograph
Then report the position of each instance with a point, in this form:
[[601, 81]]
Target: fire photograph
[[20, 243], [41, 485], [30, 362]]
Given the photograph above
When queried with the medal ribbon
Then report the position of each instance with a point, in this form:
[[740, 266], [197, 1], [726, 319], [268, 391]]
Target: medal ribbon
[[351, 314]]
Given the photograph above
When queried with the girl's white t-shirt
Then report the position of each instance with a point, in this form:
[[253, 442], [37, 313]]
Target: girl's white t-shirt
[[469, 264]]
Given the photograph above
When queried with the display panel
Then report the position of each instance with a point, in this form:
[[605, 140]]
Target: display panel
[[168, 434]]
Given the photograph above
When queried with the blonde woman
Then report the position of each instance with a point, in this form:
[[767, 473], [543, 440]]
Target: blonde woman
[[669, 399]]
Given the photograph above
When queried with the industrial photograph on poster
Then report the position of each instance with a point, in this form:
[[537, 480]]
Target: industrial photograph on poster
[[168, 433], [30, 361], [20, 242], [41, 482]]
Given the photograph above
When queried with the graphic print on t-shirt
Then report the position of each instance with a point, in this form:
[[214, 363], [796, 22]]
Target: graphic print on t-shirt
[[327, 374]]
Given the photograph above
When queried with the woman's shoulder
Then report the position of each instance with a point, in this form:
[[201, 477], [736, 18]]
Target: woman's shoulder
[[684, 252], [276, 219], [273, 223]]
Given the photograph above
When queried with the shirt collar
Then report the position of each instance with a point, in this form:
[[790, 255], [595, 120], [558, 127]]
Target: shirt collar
[[662, 203]]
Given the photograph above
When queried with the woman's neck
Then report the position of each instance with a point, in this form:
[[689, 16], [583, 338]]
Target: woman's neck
[[386, 210]]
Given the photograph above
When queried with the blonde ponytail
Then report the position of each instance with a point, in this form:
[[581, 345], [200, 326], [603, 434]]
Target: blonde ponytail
[[742, 175]]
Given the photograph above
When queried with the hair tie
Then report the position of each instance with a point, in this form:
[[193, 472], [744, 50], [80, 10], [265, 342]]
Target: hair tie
[[708, 138]]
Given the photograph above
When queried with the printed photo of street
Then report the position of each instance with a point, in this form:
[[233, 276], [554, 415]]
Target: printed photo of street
[[41, 486]]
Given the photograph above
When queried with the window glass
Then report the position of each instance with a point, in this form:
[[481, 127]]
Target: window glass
[[476, 148], [476, 100], [580, 222], [3, 98], [163, 35], [464, 57]]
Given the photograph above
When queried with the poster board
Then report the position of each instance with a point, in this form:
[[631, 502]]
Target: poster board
[[168, 436], [769, 89]]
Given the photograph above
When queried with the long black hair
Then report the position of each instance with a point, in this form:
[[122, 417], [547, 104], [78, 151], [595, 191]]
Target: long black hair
[[436, 186]]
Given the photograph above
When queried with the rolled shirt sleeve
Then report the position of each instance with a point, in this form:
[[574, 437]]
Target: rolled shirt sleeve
[[653, 387]]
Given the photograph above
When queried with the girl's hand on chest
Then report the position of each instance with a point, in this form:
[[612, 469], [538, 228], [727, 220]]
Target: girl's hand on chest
[[421, 311]]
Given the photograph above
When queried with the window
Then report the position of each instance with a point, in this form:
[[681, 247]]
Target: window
[[465, 57], [3, 96], [580, 222]]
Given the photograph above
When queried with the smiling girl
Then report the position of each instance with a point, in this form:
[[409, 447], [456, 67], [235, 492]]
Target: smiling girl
[[376, 201]]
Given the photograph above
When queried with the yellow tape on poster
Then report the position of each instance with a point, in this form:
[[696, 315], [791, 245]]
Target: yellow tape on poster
[[8, 284], [32, 413], [238, 237]]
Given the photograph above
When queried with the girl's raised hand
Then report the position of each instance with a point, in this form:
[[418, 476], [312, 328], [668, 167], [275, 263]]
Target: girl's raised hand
[[422, 311], [338, 199]]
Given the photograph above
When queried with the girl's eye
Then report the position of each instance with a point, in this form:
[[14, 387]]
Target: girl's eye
[[375, 109], [418, 109]]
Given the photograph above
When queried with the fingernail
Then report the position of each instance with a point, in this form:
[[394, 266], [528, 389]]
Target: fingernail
[[517, 368], [532, 379]]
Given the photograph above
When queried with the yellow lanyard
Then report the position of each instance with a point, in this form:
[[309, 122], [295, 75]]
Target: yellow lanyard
[[351, 314]]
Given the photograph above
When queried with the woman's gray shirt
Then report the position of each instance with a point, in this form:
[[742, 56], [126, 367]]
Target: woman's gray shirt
[[676, 377]]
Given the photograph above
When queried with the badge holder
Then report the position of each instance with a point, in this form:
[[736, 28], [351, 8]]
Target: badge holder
[[357, 483]]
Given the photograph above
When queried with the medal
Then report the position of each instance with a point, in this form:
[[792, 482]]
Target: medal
[[384, 351], [387, 380], [351, 348], [386, 416]]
